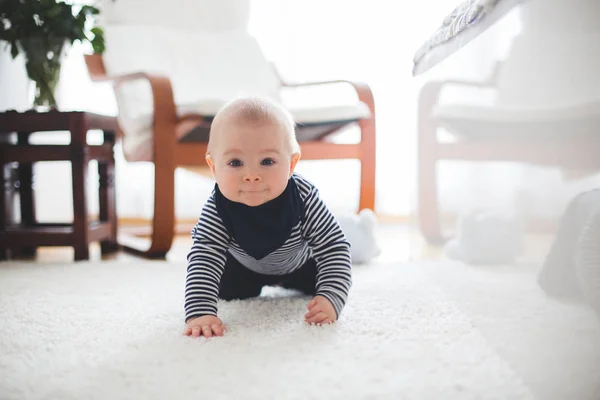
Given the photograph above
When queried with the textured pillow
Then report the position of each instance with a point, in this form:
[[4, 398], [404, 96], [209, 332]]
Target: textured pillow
[[572, 268], [587, 264], [360, 232], [467, 21]]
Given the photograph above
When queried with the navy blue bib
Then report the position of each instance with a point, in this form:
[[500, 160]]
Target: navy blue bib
[[262, 229]]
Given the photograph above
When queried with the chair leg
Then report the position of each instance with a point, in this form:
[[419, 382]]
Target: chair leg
[[163, 220], [367, 165], [428, 210], [429, 220], [368, 149]]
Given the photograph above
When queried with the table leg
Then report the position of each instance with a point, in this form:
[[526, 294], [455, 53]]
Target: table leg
[[26, 195], [5, 203], [107, 204], [79, 167]]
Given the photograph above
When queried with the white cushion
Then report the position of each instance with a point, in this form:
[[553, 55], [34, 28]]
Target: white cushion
[[203, 67], [302, 115], [317, 115], [581, 120]]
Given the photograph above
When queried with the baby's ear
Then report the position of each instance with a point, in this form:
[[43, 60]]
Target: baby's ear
[[293, 162], [210, 163]]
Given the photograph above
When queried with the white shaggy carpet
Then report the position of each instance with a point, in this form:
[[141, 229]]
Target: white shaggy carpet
[[112, 330]]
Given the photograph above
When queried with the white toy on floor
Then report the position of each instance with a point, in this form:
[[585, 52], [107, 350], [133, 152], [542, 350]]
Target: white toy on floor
[[486, 237], [360, 232]]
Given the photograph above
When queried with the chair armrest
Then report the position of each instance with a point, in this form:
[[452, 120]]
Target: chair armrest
[[163, 101], [164, 116], [362, 89], [486, 83], [430, 92]]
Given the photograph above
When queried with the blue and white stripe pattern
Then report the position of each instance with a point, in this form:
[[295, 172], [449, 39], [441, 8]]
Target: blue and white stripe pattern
[[318, 236]]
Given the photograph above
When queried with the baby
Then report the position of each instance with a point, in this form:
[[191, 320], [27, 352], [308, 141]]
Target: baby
[[263, 224]]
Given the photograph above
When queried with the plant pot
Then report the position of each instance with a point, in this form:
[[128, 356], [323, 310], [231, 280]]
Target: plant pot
[[43, 58]]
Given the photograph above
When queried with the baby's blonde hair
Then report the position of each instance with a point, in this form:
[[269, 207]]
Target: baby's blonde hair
[[256, 110]]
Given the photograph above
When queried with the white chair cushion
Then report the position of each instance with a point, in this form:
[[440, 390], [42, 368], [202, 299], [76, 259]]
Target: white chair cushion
[[203, 67], [319, 115], [302, 115], [505, 123]]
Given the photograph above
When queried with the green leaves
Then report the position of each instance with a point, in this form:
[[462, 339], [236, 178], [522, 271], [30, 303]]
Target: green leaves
[[25, 19], [98, 40]]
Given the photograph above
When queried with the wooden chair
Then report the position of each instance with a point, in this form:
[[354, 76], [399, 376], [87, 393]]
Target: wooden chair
[[564, 136], [173, 70]]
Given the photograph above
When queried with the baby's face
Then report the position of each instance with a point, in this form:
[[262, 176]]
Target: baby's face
[[251, 162]]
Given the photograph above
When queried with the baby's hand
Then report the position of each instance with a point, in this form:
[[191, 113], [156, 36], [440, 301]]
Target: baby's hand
[[207, 326], [320, 311]]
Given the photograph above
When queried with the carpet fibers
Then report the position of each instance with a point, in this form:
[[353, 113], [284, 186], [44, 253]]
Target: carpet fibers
[[112, 330]]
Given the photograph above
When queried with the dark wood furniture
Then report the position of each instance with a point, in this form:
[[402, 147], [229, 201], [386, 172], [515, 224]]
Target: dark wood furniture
[[28, 234]]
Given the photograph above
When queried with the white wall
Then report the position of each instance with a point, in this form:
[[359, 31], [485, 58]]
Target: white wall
[[14, 84]]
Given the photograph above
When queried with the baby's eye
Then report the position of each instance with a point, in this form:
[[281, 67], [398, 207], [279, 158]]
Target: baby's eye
[[235, 163], [267, 161]]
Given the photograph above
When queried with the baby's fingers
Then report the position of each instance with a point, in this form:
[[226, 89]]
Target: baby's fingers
[[218, 330], [312, 312], [206, 331], [317, 319], [195, 331]]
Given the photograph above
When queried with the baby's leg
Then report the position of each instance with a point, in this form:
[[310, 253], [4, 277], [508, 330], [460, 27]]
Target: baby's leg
[[238, 282], [303, 279]]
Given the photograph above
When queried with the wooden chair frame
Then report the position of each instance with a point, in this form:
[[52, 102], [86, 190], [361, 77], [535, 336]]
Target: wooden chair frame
[[566, 153], [169, 153]]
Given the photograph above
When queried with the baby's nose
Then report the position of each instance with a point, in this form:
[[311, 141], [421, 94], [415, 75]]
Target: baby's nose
[[252, 177]]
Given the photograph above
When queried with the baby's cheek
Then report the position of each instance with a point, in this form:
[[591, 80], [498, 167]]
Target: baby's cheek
[[227, 185], [280, 177]]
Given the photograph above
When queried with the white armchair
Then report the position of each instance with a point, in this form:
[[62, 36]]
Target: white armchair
[[174, 66], [546, 111]]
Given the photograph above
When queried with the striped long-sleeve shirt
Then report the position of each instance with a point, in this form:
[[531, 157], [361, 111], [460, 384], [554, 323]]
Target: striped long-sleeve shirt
[[317, 236]]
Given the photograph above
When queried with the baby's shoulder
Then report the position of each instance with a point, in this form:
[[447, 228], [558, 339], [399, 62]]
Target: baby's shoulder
[[305, 187]]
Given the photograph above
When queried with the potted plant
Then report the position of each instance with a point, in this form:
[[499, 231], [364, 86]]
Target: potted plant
[[41, 30]]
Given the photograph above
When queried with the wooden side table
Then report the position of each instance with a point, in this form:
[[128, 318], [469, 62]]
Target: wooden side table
[[26, 236]]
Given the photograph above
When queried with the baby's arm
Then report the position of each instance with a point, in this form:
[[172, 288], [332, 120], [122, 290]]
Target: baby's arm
[[331, 251], [206, 262]]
